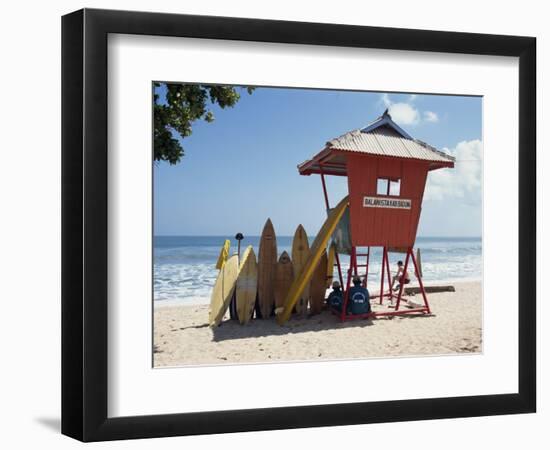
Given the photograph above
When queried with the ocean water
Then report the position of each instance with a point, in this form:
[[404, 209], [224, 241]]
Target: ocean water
[[184, 266]]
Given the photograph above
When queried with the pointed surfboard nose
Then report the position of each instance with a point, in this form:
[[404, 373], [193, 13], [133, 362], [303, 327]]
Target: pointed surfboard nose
[[248, 253], [300, 233], [268, 231], [284, 258]]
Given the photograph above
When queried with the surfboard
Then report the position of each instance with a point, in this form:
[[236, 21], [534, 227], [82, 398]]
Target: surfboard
[[284, 275], [224, 254], [331, 257], [317, 248], [247, 285], [318, 286], [267, 258], [300, 253], [419, 264], [223, 290]]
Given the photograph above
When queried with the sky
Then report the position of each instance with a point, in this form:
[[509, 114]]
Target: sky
[[242, 168]]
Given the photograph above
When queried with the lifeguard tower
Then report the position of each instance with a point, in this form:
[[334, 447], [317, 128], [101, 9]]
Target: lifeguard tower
[[386, 170]]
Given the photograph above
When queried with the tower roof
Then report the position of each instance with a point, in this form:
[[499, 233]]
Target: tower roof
[[383, 138]]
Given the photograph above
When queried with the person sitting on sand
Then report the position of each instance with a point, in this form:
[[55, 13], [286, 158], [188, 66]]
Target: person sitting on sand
[[336, 297], [358, 298], [401, 276]]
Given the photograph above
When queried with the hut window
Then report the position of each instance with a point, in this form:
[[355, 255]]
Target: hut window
[[388, 186], [382, 186], [395, 187]]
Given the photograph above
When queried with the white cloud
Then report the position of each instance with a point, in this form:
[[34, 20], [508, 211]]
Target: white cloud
[[401, 113], [430, 116], [405, 113], [464, 180]]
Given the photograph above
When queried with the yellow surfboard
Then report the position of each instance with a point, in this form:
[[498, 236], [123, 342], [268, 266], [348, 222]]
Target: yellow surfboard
[[247, 284], [330, 264], [300, 253], [318, 288], [303, 278], [223, 290], [224, 254]]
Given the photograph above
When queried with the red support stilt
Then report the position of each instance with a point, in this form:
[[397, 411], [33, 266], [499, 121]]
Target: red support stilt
[[389, 276], [352, 262], [366, 278], [384, 257], [367, 269], [324, 186], [401, 284], [421, 284], [385, 268]]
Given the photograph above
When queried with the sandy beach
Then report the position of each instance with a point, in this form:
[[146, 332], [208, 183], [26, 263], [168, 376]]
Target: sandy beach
[[183, 337]]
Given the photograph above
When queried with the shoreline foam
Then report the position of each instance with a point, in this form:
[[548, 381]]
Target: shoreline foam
[[194, 301]]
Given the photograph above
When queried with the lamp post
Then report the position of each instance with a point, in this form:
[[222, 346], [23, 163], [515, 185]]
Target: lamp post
[[233, 304], [239, 237]]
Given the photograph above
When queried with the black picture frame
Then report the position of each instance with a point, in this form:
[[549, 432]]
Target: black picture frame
[[84, 224]]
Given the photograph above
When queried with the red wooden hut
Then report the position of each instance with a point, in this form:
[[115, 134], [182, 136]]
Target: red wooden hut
[[386, 170]]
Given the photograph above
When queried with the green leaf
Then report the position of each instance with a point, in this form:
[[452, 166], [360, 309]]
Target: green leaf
[[183, 105]]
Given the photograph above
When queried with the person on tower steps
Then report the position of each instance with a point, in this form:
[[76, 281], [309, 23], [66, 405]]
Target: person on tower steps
[[401, 276]]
